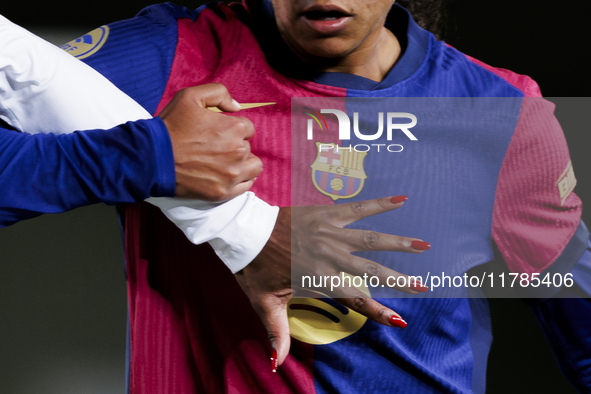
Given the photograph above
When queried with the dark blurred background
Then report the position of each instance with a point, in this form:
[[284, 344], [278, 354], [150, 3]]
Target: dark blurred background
[[62, 288]]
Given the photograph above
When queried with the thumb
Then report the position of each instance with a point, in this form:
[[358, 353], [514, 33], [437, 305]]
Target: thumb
[[216, 95], [274, 318]]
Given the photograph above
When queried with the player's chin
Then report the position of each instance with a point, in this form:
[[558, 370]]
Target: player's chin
[[328, 48]]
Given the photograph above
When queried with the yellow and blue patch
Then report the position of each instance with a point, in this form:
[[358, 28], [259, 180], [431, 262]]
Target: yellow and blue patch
[[319, 320], [88, 44]]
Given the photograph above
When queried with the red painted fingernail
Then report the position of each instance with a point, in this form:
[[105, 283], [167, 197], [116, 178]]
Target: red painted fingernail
[[274, 360], [398, 199], [397, 321], [420, 245], [418, 286]]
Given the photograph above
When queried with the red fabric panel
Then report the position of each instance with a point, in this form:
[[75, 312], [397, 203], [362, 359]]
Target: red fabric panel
[[236, 60], [522, 82], [192, 328], [528, 200], [531, 222]]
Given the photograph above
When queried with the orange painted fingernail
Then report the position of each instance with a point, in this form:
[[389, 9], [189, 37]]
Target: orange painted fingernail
[[274, 360], [398, 199], [397, 321], [420, 245]]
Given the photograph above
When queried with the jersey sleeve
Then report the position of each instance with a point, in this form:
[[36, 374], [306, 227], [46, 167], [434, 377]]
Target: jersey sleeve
[[66, 95], [227, 227], [39, 91], [137, 54], [536, 216], [48, 173], [137, 57]]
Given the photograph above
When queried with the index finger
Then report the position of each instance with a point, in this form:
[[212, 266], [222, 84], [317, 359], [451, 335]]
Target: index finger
[[344, 214], [214, 95]]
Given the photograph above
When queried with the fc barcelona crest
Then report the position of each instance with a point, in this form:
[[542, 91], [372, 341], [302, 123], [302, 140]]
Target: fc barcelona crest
[[338, 171]]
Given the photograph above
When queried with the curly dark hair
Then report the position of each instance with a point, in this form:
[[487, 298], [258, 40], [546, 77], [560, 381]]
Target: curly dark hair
[[427, 13]]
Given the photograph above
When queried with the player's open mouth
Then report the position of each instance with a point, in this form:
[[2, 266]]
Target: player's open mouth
[[327, 16], [326, 19]]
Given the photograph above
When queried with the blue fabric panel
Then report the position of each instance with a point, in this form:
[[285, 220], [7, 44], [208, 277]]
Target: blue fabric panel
[[575, 258], [480, 338], [421, 358], [139, 52], [449, 173], [47, 173], [566, 323], [425, 359], [582, 272]]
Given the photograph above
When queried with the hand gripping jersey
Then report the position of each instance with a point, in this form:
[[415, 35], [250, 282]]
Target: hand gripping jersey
[[192, 330], [43, 90]]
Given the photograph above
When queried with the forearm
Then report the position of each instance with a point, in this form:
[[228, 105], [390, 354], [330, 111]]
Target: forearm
[[66, 95], [43, 89], [48, 173], [237, 229], [565, 320]]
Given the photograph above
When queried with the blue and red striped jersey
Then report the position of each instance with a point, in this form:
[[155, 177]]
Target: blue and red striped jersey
[[471, 185]]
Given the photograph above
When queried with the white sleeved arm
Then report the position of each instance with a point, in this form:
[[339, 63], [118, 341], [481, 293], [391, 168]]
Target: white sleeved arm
[[237, 229], [43, 89]]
